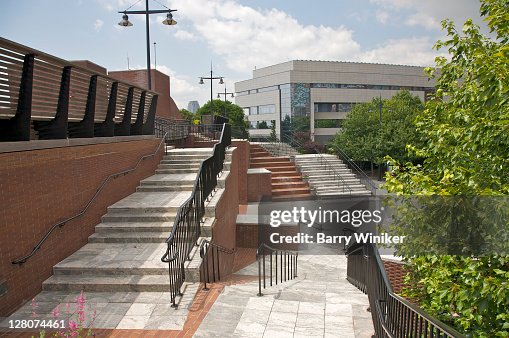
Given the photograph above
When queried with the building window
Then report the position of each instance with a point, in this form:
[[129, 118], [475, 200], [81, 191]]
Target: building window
[[253, 111], [267, 109], [266, 124], [336, 123], [333, 107], [267, 89]]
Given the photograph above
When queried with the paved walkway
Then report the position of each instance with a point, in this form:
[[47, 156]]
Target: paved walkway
[[320, 302]]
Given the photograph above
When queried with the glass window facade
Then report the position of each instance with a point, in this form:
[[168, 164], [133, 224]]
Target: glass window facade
[[266, 124], [327, 107], [267, 109], [368, 86]]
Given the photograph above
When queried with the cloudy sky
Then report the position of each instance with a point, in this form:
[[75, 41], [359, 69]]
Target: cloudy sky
[[236, 36]]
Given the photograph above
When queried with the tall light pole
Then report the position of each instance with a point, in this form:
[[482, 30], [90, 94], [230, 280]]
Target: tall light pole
[[168, 21], [211, 77], [225, 93]]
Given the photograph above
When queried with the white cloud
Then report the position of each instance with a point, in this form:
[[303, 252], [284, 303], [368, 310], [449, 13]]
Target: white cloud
[[246, 37], [430, 13], [182, 88], [184, 35], [414, 52], [382, 17], [98, 24]]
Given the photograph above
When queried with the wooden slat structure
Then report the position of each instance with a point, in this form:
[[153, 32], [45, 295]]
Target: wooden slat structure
[[44, 97]]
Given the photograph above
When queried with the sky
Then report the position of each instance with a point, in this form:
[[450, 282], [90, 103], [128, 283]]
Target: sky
[[235, 36]]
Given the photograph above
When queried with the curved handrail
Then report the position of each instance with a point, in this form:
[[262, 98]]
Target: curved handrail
[[323, 161], [23, 259], [368, 182], [263, 245]]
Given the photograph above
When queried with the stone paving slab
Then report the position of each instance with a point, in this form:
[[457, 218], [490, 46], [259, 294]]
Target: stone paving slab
[[320, 302]]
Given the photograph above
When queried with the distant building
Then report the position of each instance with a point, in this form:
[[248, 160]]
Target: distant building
[[193, 106], [166, 107], [316, 96]]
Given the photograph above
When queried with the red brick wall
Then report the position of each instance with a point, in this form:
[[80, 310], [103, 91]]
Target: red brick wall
[[396, 272], [223, 231], [39, 188], [243, 154], [259, 186], [166, 107]]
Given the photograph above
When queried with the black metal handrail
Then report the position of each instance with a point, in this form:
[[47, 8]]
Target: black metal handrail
[[392, 315], [187, 225], [287, 265], [23, 259], [210, 253], [363, 177], [178, 132]]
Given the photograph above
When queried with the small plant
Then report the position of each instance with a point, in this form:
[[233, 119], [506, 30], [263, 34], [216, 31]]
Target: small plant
[[76, 326]]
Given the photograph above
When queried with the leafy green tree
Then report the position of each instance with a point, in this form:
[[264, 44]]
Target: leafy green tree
[[368, 137], [465, 155], [187, 115], [233, 112]]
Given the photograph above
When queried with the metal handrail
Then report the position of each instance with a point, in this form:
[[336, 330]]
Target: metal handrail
[[186, 227], [205, 246], [287, 272], [365, 179], [323, 161], [23, 259], [392, 315]]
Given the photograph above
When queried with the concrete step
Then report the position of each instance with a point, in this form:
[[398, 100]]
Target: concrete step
[[296, 179], [188, 165], [121, 283], [340, 193], [290, 191], [133, 227], [288, 173], [182, 162], [129, 237], [139, 217], [176, 170], [270, 164], [154, 188]]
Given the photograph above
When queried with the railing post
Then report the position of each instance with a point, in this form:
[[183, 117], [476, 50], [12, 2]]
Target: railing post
[[57, 127], [137, 126], [148, 126], [85, 128], [124, 128], [259, 278], [17, 128], [107, 127]]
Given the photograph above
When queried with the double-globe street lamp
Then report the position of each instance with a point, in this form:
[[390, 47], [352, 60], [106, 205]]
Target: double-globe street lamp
[[225, 94], [168, 21], [211, 77]]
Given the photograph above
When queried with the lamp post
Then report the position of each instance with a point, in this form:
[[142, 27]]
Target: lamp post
[[211, 77], [168, 21], [380, 104], [225, 93]]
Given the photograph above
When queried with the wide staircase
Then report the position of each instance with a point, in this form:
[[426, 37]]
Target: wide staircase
[[287, 183], [329, 176], [120, 269]]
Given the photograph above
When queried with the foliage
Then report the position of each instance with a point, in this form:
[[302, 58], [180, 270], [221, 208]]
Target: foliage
[[189, 116], [367, 136], [466, 154], [233, 112], [75, 314]]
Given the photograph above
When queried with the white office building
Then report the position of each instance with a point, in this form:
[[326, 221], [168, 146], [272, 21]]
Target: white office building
[[316, 96]]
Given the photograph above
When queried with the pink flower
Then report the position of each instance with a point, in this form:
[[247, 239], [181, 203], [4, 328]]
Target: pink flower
[[72, 325], [56, 311]]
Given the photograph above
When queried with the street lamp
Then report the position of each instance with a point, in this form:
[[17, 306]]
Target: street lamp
[[168, 21], [220, 78], [225, 93]]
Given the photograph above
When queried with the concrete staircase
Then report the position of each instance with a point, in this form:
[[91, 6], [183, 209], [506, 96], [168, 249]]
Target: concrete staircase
[[287, 183], [315, 168], [278, 149], [124, 253]]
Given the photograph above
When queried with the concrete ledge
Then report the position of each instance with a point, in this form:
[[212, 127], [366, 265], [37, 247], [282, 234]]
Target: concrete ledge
[[8, 147]]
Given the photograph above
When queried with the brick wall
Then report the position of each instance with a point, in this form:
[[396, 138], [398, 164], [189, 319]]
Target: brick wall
[[166, 107], [396, 271], [39, 188]]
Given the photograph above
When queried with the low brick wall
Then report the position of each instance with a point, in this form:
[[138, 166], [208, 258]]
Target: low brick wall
[[42, 187], [396, 271]]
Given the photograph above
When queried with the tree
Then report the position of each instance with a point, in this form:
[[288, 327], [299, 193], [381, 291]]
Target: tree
[[233, 112], [466, 157], [366, 137], [187, 115]]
